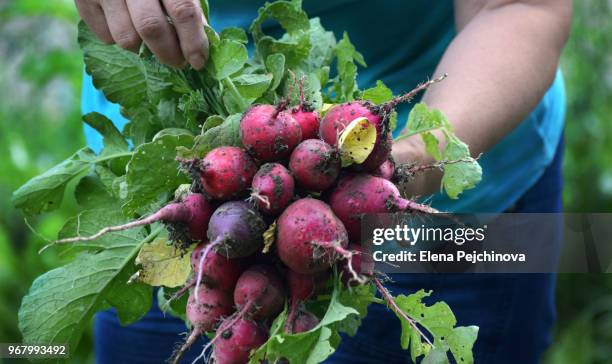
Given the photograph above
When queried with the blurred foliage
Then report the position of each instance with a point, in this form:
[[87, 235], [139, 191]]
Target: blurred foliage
[[587, 65], [584, 302], [40, 124]]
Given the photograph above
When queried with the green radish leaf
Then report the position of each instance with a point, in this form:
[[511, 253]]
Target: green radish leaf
[[346, 84], [107, 178], [213, 37], [295, 50], [114, 142], [275, 64], [125, 77], [359, 298], [422, 119], [211, 122], [346, 52], [310, 86], [322, 51], [92, 193], [227, 133], [192, 105], [289, 15], [252, 86], [295, 45], [226, 58], [461, 341], [175, 132], [143, 123], [235, 104], [61, 303], [235, 34], [436, 356], [152, 173], [439, 321], [344, 309], [463, 172], [378, 94], [432, 145], [205, 8], [45, 192], [459, 176]]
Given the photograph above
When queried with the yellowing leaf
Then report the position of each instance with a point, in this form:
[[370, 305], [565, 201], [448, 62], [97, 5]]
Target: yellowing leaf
[[325, 108], [269, 237], [162, 264], [357, 141]]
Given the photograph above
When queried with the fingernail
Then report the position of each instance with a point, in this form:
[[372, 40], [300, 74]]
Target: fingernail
[[197, 60]]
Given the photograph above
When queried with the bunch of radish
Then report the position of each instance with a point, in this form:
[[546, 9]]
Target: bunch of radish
[[288, 176]]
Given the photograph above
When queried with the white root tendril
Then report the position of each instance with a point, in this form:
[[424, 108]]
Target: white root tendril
[[178, 294], [201, 269], [345, 254], [264, 199]]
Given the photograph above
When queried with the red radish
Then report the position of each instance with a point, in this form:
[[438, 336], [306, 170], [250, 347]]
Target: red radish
[[309, 235], [306, 116], [269, 133], [378, 156], [315, 164], [301, 288], [304, 321], [193, 211], [339, 116], [359, 194], [204, 313], [309, 121], [304, 286], [227, 172], [259, 293], [386, 170], [236, 230], [236, 342], [272, 188], [215, 270], [361, 265]]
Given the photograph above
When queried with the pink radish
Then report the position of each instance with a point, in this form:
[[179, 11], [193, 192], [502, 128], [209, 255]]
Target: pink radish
[[272, 188], [204, 313], [359, 194], [215, 270], [309, 236], [269, 133], [259, 293], [236, 342], [227, 172], [386, 170], [340, 116], [315, 164], [193, 211]]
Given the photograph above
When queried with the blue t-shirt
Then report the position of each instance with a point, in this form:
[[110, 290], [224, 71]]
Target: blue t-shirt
[[402, 42]]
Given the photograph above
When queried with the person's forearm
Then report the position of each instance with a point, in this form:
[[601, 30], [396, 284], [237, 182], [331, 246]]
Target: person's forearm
[[499, 65]]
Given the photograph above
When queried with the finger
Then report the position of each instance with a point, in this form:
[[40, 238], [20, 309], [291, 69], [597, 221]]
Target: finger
[[120, 25], [188, 20], [93, 16], [150, 22]]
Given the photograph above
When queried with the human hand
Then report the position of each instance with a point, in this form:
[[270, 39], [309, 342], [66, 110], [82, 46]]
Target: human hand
[[175, 41], [411, 151]]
